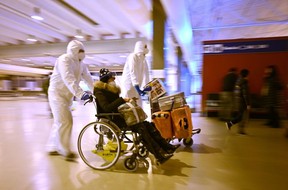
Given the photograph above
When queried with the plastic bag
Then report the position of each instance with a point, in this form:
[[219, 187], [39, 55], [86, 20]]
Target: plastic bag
[[132, 113]]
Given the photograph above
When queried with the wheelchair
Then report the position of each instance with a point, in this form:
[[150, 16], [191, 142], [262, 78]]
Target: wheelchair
[[101, 143]]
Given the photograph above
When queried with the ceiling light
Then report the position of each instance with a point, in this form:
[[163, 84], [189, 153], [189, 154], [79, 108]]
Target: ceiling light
[[79, 34], [47, 63], [6, 60], [37, 14], [31, 38], [25, 59]]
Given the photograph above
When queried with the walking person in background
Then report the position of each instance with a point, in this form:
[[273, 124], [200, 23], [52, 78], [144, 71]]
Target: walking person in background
[[64, 85], [227, 95], [136, 74], [242, 102], [270, 93]]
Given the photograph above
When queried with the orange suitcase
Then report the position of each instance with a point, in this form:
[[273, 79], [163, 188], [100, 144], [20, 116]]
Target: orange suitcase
[[162, 121], [182, 122]]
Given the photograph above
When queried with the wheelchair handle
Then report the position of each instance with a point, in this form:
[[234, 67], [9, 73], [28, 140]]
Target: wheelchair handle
[[92, 97]]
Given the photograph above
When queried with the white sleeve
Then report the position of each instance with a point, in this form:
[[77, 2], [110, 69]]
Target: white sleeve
[[67, 74], [133, 69], [87, 78], [146, 75]]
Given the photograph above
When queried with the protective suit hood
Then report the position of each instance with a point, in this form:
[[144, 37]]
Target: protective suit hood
[[140, 47], [73, 48]]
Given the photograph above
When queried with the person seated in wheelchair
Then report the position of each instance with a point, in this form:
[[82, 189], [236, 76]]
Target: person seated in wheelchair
[[108, 100]]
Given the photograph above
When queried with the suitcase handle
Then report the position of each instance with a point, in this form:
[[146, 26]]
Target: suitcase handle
[[173, 100], [196, 131], [160, 115]]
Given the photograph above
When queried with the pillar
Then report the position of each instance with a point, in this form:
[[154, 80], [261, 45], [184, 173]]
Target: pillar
[[179, 63], [159, 21]]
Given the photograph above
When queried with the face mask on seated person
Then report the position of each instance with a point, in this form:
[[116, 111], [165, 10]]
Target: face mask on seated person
[[112, 83]]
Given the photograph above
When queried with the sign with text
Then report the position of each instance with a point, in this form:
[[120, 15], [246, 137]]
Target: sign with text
[[246, 47]]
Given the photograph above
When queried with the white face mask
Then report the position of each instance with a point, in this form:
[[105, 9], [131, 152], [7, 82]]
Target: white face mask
[[146, 51], [113, 83], [81, 56]]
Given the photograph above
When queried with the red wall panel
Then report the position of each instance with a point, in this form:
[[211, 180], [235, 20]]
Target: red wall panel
[[215, 66]]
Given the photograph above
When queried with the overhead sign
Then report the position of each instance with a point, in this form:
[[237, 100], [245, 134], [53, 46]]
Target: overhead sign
[[246, 47]]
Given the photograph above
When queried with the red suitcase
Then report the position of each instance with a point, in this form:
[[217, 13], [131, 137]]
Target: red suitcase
[[182, 122], [162, 121]]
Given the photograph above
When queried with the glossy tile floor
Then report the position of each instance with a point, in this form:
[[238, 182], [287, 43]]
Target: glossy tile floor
[[218, 159]]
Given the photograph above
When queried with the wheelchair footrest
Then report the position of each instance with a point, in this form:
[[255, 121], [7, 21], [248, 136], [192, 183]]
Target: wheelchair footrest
[[112, 146], [105, 154]]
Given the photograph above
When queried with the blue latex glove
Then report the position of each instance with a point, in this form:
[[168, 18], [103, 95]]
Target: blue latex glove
[[148, 88], [140, 92], [86, 95]]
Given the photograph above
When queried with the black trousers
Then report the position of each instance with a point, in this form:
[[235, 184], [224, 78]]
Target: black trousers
[[155, 134], [238, 116], [151, 138], [273, 117], [241, 118]]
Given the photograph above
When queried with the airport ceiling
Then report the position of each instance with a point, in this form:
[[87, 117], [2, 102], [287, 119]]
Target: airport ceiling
[[111, 27]]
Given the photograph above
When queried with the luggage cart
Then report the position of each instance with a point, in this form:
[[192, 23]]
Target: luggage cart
[[157, 112]]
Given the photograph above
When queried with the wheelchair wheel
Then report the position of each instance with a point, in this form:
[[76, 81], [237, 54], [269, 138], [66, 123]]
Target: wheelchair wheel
[[144, 163], [143, 152], [98, 145], [188, 142], [131, 164]]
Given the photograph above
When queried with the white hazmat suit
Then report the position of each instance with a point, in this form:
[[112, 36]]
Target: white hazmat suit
[[135, 72], [64, 85]]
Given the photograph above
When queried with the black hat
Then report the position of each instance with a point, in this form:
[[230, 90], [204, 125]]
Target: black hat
[[105, 74]]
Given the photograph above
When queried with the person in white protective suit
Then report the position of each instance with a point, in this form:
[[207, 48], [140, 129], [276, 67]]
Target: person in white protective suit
[[64, 85], [135, 73]]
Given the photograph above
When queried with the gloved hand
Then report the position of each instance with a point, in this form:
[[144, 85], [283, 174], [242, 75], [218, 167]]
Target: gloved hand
[[87, 95], [148, 88], [140, 92]]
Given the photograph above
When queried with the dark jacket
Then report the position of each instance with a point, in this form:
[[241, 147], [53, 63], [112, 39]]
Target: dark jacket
[[242, 93], [108, 101], [274, 87], [229, 82]]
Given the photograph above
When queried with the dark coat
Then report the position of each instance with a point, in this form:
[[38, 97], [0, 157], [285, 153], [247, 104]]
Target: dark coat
[[242, 94], [272, 95], [229, 82], [108, 101]]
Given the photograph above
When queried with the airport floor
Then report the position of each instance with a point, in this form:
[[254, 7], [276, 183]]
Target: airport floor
[[218, 159]]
